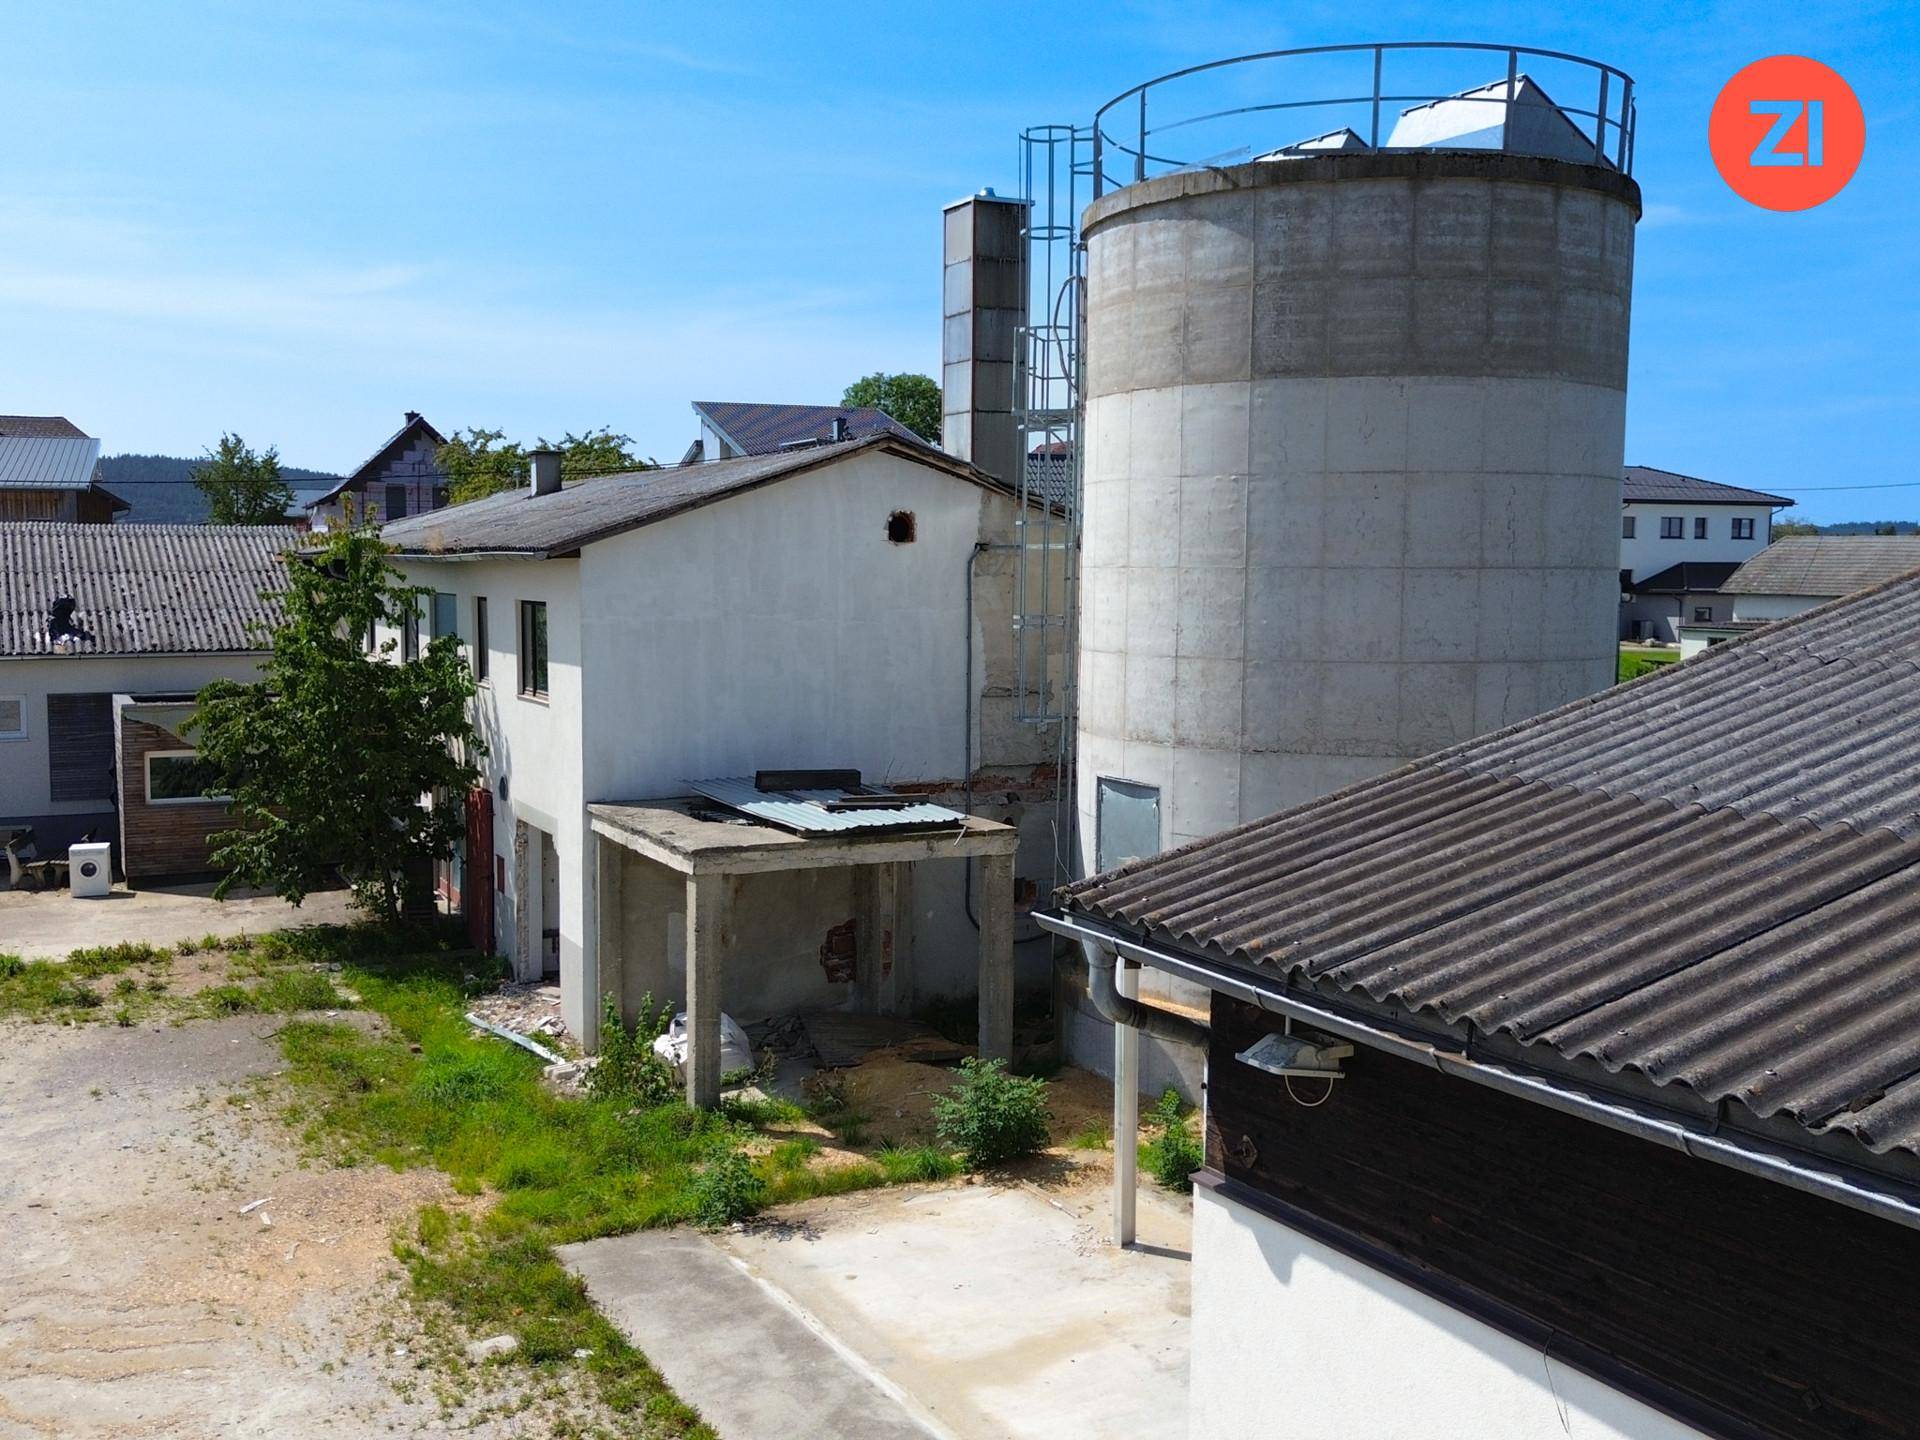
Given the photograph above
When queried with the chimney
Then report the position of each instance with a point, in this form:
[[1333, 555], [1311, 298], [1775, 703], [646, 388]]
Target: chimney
[[412, 415], [543, 472], [839, 431], [984, 306]]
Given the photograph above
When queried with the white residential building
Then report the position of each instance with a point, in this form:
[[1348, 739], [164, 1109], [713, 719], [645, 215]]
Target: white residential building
[[1680, 537], [1797, 573], [845, 606]]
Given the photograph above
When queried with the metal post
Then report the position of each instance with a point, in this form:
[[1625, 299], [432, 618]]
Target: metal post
[[1374, 140], [1600, 123], [1140, 156], [1506, 113], [1626, 109], [1126, 1109]]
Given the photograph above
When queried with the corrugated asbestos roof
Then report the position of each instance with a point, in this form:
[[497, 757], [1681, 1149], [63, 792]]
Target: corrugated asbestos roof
[[141, 589], [517, 523], [805, 811], [763, 429], [46, 427], [1642, 483], [1825, 565], [40, 462], [1710, 876]]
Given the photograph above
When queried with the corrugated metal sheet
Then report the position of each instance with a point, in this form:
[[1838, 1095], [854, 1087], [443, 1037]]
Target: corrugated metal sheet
[[141, 589], [1825, 565], [804, 811], [515, 522], [39, 462], [1642, 483], [1710, 877], [760, 429]]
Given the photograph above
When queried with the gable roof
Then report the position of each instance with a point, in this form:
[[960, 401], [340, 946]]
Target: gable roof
[[541, 526], [1642, 484], [40, 427], [1709, 878], [756, 429], [42, 462], [141, 589], [413, 426], [1825, 565], [1689, 577]]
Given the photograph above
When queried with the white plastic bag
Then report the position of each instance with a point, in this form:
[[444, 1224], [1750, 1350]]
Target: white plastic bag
[[736, 1051]]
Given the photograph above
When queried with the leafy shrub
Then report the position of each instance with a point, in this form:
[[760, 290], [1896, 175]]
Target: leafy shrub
[[991, 1117], [728, 1190], [10, 966], [1174, 1154], [628, 1070]]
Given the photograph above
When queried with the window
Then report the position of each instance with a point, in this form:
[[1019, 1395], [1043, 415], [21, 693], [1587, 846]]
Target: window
[[13, 717], [410, 632], [445, 615], [1626, 527], [396, 502], [80, 747], [1126, 820], [181, 777], [533, 647], [1703, 614], [1699, 527], [1743, 527], [480, 637], [1673, 527]]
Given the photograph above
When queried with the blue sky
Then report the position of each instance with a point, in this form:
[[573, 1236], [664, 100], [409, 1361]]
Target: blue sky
[[297, 221]]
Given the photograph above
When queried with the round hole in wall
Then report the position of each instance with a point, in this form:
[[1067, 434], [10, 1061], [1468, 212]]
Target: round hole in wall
[[501, 789], [900, 527]]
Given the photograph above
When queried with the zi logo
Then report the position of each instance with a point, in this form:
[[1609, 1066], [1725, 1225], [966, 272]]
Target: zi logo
[[1787, 133]]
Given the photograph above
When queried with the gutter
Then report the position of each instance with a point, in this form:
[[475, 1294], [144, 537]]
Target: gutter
[[1750, 1155]]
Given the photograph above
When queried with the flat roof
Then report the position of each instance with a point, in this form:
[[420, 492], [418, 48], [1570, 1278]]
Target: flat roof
[[689, 835]]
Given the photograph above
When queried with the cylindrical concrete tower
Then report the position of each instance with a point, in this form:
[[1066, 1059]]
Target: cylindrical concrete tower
[[1352, 476]]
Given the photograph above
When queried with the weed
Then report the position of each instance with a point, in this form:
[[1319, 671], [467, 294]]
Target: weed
[[628, 1068], [126, 985], [1173, 1155], [101, 960], [123, 1017], [729, 1189], [228, 999], [10, 966], [1092, 1136], [990, 1116], [903, 1164], [793, 1154]]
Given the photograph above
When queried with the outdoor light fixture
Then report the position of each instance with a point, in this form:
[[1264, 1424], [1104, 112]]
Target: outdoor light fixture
[[1296, 1055]]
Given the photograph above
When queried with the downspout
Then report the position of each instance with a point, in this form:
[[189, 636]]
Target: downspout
[[1700, 1140]]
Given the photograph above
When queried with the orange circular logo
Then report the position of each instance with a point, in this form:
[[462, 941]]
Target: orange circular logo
[[1787, 133]]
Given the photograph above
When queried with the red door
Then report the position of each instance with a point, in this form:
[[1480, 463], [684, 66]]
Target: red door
[[476, 895]]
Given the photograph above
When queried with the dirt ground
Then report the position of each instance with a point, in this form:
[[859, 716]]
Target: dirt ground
[[135, 1297], [45, 925]]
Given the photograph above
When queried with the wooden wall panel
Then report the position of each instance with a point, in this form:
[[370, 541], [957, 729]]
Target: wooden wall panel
[[161, 840], [1787, 1315]]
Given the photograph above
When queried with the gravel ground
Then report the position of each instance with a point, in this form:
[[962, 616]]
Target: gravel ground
[[135, 1297]]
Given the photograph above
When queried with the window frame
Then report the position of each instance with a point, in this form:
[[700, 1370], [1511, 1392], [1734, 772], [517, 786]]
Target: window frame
[[1703, 615], [1744, 527], [444, 605], [387, 511], [1699, 527], [534, 686], [482, 670], [1629, 524], [410, 632], [1673, 527], [146, 776], [25, 731]]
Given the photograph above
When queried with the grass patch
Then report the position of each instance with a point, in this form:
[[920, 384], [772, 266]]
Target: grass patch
[[1644, 662], [1093, 1136], [70, 990]]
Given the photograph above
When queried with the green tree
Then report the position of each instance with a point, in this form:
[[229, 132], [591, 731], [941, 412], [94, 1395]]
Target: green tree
[[477, 462], [913, 400], [331, 756], [242, 487], [1787, 522]]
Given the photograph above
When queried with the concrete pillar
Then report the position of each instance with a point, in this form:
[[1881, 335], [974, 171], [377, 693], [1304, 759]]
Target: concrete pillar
[[995, 900], [709, 899], [609, 968], [985, 304], [876, 932], [526, 902], [1126, 1109]]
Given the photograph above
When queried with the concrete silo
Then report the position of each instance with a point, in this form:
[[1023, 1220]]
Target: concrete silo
[[1353, 437]]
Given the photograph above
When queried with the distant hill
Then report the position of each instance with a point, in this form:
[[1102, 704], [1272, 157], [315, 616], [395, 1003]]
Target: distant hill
[[1872, 527], [161, 491]]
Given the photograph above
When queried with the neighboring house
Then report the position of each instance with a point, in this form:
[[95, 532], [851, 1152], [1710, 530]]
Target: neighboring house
[[106, 633], [1795, 574], [1627, 1141], [732, 428], [48, 471], [403, 477], [1668, 521], [637, 633]]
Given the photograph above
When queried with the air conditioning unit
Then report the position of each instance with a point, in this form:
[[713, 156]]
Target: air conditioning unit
[[90, 870]]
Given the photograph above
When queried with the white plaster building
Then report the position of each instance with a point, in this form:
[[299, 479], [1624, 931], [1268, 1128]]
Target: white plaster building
[[1680, 538], [820, 608], [1795, 574]]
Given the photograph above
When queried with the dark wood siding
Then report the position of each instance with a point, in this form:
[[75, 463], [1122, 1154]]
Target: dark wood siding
[[80, 747], [1784, 1314], [161, 840]]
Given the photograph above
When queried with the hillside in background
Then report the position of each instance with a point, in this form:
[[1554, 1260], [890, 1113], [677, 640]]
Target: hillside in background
[[1872, 527], [161, 491]]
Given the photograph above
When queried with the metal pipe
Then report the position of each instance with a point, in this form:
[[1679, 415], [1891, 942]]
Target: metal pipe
[[1126, 1110], [1122, 1008], [1750, 1155]]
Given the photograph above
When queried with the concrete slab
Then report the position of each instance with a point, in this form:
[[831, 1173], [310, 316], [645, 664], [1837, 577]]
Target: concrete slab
[[749, 1363], [45, 925], [1001, 1311]]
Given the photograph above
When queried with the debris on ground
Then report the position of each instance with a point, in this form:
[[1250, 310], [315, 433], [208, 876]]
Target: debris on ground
[[569, 1077], [252, 1206], [495, 1345], [844, 1038], [514, 1037], [526, 1008]]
